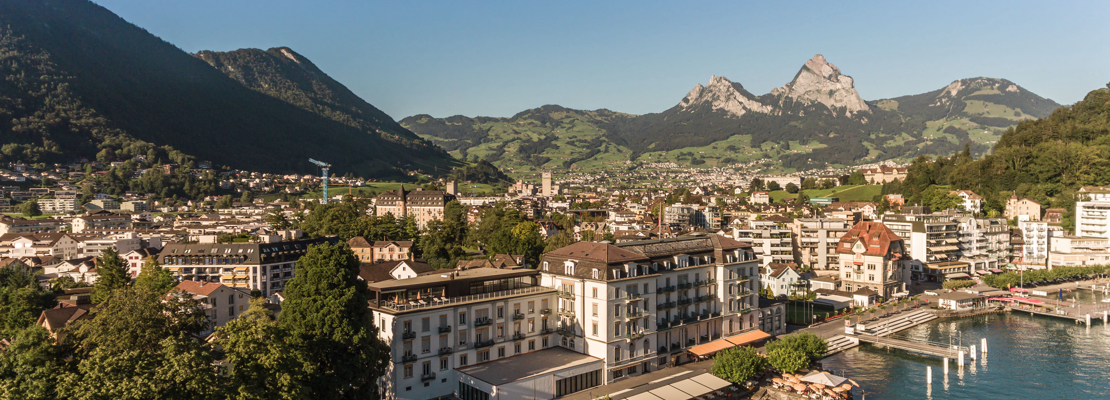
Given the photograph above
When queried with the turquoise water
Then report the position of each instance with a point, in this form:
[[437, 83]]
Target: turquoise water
[[1030, 357]]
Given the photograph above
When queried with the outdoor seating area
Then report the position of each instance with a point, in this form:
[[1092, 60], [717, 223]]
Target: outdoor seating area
[[814, 385]]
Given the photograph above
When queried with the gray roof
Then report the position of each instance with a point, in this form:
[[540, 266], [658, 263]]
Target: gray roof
[[512, 369]]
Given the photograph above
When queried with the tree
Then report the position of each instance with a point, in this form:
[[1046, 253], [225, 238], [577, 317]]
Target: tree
[[939, 198], [773, 186], [30, 208], [787, 359], [153, 278], [812, 346], [826, 184], [247, 197], [757, 184], [223, 202], [328, 322], [803, 198], [809, 184], [277, 220], [140, 345], [30, 366], [263, 364], [739, 365], [791, 188], [857, 178], [111, 275]]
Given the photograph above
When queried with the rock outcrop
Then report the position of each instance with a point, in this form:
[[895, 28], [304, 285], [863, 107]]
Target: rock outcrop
[[821, 82], [724, 95]]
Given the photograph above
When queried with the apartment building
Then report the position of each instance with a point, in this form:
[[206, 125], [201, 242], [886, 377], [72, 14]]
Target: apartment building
[[641, 306], [438, 324], [422, 205], [770, 240], [872, 259], [984, 242], [15, 225], [57, 206], [926, 238], [221, 303], [1090, 218], [262, 266], [969, 201], [62, 246], [679, 215], [1023, 209], [815, 241], [1036, 236], [1074, 251], [101, 221]]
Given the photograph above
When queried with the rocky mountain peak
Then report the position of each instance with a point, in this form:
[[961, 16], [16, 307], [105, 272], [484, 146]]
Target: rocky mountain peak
[[723, 94], [820, 81]]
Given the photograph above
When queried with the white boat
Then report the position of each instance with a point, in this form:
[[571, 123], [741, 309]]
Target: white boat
[[1106, 300]]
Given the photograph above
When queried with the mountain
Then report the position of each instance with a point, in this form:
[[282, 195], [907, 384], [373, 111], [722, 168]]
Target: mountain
[[816, 120], [80, 79]]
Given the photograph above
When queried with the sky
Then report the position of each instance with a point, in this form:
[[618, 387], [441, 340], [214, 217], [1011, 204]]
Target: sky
[[492, 58]]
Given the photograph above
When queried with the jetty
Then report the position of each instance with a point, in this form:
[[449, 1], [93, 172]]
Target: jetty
[[918, 347]]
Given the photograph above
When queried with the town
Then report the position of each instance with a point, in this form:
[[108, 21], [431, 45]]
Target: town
[[593, 285]]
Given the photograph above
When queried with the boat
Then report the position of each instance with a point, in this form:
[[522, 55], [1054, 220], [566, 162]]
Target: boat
[[1106, 300]]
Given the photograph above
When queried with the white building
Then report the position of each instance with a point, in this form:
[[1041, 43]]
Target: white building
[[1036, 235], [221, 303], [782, 279], [1073, 251], [970, 201], [1090, 218], [262, 266]]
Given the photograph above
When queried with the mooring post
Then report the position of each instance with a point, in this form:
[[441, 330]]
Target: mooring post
[[945, 366], [929, 374], [960, 360], [984, 345], [972, 351]]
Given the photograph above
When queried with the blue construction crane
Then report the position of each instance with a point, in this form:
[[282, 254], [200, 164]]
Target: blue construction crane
[[324, 166]]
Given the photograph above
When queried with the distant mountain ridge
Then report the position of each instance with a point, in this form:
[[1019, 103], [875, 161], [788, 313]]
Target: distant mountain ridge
[[80, 79], [817, 119]]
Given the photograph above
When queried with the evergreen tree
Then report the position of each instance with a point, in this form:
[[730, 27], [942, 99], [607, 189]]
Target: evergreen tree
[[328, 322], [111, 275], [154, 278]]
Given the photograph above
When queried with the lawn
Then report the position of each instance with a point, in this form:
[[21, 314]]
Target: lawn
[[845, 193]]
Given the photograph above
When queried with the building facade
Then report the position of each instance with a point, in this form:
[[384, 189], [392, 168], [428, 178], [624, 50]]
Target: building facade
[[872, 257], [1076, 251], [262, 266], [423, 205], [816, 239], [1091, 217]]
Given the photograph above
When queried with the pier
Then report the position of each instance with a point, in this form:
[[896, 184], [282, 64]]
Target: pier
[[1063, 312], [924, 348]]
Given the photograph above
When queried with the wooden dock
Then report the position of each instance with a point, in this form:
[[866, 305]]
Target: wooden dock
[[1062, 312], [929, 349]]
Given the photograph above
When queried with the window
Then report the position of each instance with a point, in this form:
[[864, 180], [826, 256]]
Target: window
[[462, 360], [595, 309], [617, 353], [594, 274], [483, 356], [545, 265], [408, 371], [617, 329], [425, 324], [501, 352], [531, 307], [616, 310], [427, 368], [595, 328], [545, 343], [532, 345], [500, 312], [426, 345], [462, 318], [408, 326], [595, 293], [442, 364]]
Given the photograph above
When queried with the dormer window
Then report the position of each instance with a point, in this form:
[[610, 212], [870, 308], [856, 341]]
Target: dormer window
[[594, 274]]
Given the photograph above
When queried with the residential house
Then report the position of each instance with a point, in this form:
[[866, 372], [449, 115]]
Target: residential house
[[221, 303], [872, 257]]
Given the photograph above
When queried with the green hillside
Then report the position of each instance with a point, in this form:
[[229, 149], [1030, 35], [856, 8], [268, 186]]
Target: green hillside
[[78, 79], [801, 136]]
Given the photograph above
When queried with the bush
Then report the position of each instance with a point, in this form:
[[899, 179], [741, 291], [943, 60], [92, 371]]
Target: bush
[[739, 365], [954, 285]]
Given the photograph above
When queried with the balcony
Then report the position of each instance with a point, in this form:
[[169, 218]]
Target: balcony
[[636, 314], [445, 329], [663, 324], [632, 296], [633, 336], [664, 306], [685, 302], [546, 311], [408, 335], [666, 289], [409, 357], [445, 350], [518, 336], [566, 295], [565, 330], [483, 321], [546, 331], [431, 376], [684, 286], [518, 316], [483, 343], [566, 313], [699, 283]]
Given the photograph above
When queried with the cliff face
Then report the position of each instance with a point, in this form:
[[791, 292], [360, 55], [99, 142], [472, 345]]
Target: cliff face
[[724, 95], [821, 82]]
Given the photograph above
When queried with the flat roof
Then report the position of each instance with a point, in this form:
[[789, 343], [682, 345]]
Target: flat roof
[[515, 368], [434, 278]]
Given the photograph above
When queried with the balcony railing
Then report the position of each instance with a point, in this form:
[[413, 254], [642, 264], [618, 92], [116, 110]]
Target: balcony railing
[[428, 377], [684, 286], [518, 316], [518, 336], [408, 335], [546, 311], [699, 283], [632, 296], [666, 289], [634, 336], [483, 321], [566, 313], [546, 331], [664, 306], [445, 350], [635, 314], [483, 343], [416, 305], [663, 324], [408, 357], [565, 330], [566, 295], [685, 302]]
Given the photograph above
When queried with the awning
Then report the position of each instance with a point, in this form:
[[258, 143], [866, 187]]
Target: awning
[[1002, 299], [711, 348], [242, 268], [824, 378], [983, 272], [996, 270], [749, 337], [692, 388], [958, 275], [952, 241], [1030, 301], [711, 381]]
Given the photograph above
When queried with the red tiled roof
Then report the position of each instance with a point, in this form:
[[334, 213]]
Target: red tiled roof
[[602, 252], [875, 236], [358, 241], [198, 288]]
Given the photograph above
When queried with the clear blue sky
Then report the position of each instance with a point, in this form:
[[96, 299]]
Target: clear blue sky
[[498, 58]]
